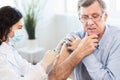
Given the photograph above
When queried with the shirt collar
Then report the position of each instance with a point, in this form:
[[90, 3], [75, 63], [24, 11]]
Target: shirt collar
[[104, 36]]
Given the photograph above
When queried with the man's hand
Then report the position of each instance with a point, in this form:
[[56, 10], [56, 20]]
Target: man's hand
[[59, 46], [88, 44]]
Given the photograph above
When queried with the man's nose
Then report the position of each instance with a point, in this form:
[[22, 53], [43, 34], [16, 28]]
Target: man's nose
[[90, 21]]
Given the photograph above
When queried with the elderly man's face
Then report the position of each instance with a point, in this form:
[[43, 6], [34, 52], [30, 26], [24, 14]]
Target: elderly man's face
[[93, 19]]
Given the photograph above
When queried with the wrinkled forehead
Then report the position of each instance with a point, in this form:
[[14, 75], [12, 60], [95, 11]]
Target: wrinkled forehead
[[93, 8]]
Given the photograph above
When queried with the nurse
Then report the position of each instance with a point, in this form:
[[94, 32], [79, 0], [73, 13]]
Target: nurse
[[12, 66]]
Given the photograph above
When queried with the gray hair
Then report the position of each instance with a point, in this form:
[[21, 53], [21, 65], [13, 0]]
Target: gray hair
[[87, 3]]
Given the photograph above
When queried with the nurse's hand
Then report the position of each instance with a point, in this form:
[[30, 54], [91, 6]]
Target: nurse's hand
[[49, 58], [59, 45]]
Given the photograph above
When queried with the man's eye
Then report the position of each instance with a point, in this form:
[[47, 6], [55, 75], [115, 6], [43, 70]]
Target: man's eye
[[95, 16], [85, 17]]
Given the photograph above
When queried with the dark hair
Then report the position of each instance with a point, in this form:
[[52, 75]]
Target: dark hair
[[86, 3], [8, 17]]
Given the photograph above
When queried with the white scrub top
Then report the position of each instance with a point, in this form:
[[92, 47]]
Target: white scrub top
[[14, 67]]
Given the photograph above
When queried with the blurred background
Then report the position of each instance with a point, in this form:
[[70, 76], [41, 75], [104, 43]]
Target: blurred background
[[55, 19]]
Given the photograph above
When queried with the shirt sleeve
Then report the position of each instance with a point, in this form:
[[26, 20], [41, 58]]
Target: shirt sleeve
[[98, 71], [95, 68]]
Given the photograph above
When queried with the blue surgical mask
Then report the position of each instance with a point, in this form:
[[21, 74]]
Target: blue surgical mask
[[18, 35]]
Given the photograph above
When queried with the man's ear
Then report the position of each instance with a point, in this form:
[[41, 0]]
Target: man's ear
[[105, 16]]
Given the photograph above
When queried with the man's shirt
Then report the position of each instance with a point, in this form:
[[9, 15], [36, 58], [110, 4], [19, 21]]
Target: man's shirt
[[104, 62]]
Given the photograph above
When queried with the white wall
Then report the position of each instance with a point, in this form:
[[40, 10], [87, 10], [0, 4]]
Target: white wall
[[7, 2]]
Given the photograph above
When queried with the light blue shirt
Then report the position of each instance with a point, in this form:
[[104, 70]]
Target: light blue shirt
[[104, 62]]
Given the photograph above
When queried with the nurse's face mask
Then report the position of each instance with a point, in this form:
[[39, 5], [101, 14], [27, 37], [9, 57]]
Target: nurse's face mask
[[18, 35]]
